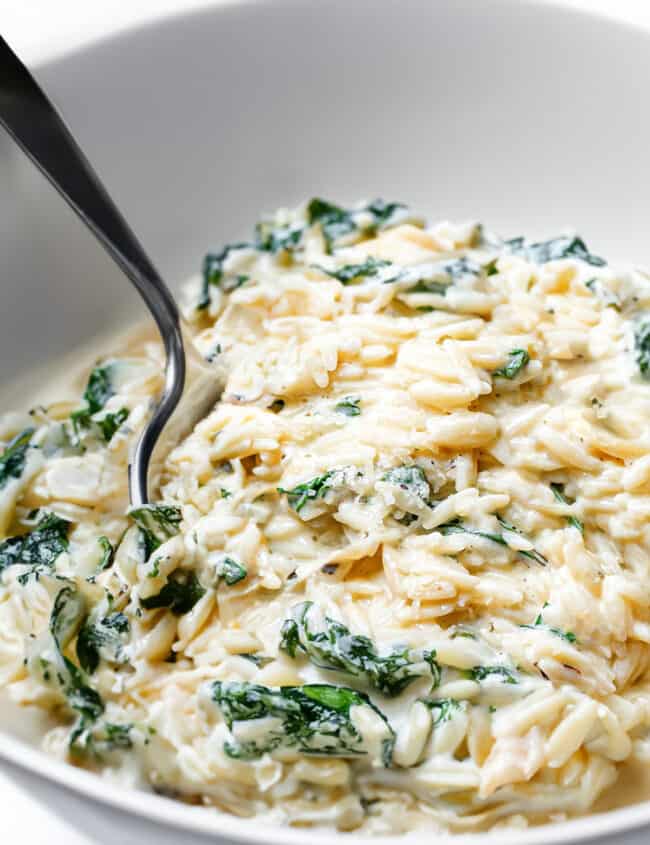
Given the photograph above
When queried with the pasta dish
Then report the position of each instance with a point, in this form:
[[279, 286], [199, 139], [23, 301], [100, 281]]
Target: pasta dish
[[397, 578]]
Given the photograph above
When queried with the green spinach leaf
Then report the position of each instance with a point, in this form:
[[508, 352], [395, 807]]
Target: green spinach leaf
[[90, 734], [411, 479], [108, 553], [98, 391], [552, 250], [12, 460], [157, 523], [480, 673], [230, 570], [270, 237], [350, 406], [329, 645], [315, 488], [350, 272], [103, 638], [337, 223], [443, 709], [438, 277], [314, 719], [642, 344], [181, 592], [457, 526], [213, 274], [37, 550], [558, 493], [568, 636], [517, 360]]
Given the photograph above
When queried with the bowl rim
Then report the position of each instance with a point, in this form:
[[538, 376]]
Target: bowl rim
[[211, 821], [143, 15]]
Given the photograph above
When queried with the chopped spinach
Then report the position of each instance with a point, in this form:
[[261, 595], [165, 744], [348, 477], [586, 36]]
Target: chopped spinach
[[531, 554], [98, 391], [609, 299], [457, 526], [517, 360], [558, 493], [65, 619], [106, 737], [642, 344], [442, 709], [181, 592], [96, 737], [315, 488], [154, 572], [82, 698], [108, 553], [213, 274], [260, 660], [568, 636], [314, 719], [438, 277], [109, 423], [102, 638], [157, 523], [12, 460], [230, 570], [552, 250], [383, 213], [67, 615], [337, 222], [411, 479], [329, 645], [89, 734], [350, 406], [480, 673], [269, 237], [38, 550], [349, 272]]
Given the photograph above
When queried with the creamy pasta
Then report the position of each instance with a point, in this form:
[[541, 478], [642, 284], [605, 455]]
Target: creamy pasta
[[397, 578]]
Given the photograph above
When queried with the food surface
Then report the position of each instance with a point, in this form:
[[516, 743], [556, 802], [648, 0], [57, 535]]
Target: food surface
[[398, 578]]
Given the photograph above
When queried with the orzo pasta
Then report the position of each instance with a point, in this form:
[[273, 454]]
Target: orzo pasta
[[397, 578]]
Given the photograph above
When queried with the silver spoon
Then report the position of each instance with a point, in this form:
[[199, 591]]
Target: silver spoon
[[30, 118]]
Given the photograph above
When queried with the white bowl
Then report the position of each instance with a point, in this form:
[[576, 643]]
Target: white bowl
[[526, 115]]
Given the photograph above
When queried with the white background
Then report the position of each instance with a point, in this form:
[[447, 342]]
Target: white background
[[40, 29]]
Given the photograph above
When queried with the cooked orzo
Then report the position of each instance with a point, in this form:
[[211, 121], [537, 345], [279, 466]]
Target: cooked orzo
[[397, 578]]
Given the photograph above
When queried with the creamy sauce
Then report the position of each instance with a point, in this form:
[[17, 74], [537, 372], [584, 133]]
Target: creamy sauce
[[399, 575]]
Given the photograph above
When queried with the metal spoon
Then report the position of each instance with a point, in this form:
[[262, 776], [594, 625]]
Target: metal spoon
[[30, 118]]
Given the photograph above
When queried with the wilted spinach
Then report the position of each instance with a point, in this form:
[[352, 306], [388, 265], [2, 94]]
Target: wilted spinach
[[552, 250], [12, 460], [179, 595], [38, 549], [157, 523], [314, 719], [517, 360], [329, 645]]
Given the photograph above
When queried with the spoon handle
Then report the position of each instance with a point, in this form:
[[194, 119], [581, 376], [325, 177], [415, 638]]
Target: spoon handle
[[30, 118]]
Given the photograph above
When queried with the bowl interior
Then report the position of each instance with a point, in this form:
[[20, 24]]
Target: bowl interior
[[527, 116]]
